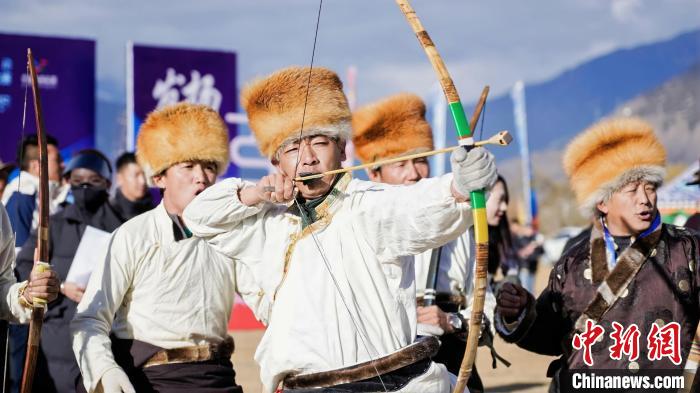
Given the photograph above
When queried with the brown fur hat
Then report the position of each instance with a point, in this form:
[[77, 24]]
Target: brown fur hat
[[179, 133], [392, 127], [275, 107], [609, 155]]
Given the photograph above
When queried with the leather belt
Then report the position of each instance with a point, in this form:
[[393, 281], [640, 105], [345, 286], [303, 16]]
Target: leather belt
[[424, 347], [199, 353]]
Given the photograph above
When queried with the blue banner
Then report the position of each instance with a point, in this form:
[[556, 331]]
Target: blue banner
[[66, 74], [159, 76]]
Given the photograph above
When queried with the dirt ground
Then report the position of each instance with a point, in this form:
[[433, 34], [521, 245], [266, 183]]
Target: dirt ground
[[526, 374]]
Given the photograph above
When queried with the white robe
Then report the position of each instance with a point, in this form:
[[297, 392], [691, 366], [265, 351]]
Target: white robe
[[10, 308], [154, 289], [456, 274], [363, 234]]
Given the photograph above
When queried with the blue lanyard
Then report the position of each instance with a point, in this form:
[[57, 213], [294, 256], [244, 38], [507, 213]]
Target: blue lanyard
[[610, 243]]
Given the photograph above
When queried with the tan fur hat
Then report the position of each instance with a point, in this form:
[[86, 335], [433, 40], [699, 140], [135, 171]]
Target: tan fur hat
[[392, 127], [609, 155], [275, 107], [179, 133]]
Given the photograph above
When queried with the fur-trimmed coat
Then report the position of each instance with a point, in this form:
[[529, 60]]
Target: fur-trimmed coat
[[665, 289]]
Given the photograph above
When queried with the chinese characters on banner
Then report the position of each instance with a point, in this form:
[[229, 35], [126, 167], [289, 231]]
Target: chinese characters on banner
[[175, 88], [66, 76], [661, 342], [158, 77]]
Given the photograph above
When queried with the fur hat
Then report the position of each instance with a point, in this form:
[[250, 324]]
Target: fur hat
[[392, 127], [277, 104], [609, 155], [179, 133]]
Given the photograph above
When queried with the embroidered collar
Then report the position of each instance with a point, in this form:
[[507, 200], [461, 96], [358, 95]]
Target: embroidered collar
[[320, 207]]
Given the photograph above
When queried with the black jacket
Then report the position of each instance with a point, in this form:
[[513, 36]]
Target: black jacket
[[56, 366], [128, 209]]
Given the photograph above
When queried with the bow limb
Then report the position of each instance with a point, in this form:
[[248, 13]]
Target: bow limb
[[478, 199], [41, 253]]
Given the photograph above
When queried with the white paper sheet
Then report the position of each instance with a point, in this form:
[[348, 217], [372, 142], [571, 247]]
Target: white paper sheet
[[91, 250]]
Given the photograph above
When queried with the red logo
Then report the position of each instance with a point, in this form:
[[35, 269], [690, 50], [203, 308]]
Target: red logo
[[662, 342], [626, 342], [665, 342], [586, 340]]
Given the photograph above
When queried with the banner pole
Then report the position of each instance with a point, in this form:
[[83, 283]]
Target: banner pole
[[130, 132], [520, 115]]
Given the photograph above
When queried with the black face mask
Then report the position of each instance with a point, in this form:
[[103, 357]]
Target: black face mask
[[89, 197]]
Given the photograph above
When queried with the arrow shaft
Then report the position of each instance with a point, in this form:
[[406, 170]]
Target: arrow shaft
[[501, 139]]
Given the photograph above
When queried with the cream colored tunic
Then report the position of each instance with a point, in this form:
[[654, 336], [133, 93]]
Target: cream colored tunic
[[10, 308], [456, 274], [154, 289], [340, 291]]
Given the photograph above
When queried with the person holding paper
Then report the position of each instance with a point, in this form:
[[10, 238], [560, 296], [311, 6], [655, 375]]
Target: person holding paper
[[155, 313], [88, 174]]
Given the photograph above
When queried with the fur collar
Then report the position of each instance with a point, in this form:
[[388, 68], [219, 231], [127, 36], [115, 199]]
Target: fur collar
[[612, 284]]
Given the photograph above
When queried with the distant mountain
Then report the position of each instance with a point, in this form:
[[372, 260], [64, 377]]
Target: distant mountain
[[674, 110], [561, 107]]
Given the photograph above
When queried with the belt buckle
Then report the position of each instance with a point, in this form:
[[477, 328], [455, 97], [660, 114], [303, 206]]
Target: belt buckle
[[214, 351]]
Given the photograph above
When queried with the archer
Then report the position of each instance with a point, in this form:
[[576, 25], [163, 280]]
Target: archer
[[326, 260]]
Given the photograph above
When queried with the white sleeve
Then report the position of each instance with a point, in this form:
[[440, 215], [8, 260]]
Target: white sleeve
[[251, 293], [93, 319], [235, 231], [232, 228], [408, 220], [218, 209], [10, 308]]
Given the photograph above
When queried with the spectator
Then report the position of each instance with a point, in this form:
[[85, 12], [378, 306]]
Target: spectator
[[634, 271], [131, 197], [16, 298], [501, 251], [88, 174], [528, 244], [21, 197], [5, 170], [694, 220]]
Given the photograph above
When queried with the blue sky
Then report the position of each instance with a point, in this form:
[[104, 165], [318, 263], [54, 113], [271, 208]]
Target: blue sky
[[482, 42]]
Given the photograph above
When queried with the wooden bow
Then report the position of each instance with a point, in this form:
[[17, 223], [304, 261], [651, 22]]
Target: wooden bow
[[41, 253], [478, 200]]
